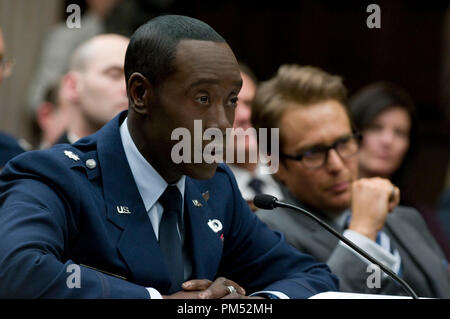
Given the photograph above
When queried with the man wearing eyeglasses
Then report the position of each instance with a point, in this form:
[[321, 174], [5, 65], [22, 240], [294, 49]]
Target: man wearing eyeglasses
[[318, 169], [9, 146], [5, 63]]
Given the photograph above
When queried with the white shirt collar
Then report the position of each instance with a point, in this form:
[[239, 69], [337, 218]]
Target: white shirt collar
[[149, 183]]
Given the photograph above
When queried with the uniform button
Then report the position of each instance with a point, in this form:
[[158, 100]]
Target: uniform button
[[91, 163]]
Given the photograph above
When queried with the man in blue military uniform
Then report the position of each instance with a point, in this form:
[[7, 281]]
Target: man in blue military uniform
[[113, 216]]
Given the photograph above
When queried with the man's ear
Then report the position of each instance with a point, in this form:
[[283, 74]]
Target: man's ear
[[140, 91], [69, 87], [43, 114]]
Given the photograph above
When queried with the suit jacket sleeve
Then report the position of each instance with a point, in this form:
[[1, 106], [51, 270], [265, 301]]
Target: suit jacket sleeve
[[361, 278], [260, 259], [339, 258], [36, 220]]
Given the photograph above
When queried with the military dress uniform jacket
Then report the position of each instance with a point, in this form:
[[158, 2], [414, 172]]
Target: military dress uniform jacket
[[78, 206]]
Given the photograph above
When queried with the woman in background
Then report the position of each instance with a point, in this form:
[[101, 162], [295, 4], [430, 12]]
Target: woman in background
[[385, 115]]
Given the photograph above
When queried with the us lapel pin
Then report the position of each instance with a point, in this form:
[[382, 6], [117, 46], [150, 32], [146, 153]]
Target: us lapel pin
[[123, 210]]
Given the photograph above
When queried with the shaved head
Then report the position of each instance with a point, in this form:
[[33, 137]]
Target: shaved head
[[96, 82], [93, 51]]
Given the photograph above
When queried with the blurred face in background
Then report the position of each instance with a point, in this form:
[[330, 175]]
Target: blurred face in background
[[385, 143], [2, 56], [101, 89], [243, 112], [6, 65]]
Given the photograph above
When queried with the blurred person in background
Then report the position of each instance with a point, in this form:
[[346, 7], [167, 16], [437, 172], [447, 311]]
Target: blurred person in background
[[250, 175], [59, 45], [51, 117], [6, 63], [385, 115], [9, 145], [94, 88]]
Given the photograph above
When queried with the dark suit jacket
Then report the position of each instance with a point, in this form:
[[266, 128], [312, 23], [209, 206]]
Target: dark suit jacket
[[9, 147], [443, 213], [55, 212], [425, 268]]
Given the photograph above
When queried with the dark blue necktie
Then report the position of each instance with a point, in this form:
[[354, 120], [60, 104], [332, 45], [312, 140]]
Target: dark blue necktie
[[170, 235]]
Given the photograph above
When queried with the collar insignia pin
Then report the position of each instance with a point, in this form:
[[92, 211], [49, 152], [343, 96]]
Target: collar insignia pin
[[71, 155], [205, 196]]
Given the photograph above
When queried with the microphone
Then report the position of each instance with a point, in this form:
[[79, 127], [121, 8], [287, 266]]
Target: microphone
[[269, 202]]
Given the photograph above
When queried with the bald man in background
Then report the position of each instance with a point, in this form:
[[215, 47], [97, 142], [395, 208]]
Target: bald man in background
[[252, 176], [94, 89]]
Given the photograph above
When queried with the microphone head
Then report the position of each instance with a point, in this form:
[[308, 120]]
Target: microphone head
[[265, 201]]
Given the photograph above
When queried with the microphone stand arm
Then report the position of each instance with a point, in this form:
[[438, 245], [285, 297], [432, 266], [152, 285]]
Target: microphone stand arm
[[394, 276]]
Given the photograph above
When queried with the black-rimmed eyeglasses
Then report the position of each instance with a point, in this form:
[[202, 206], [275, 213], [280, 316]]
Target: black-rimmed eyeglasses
[[317, 156]]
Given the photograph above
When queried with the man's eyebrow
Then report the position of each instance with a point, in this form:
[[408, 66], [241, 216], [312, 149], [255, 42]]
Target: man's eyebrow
[[112, 70], [309, 147], [320, 145], [210, 81], [113, 67]]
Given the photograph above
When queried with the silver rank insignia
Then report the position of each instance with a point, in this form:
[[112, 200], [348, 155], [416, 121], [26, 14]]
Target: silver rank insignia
[[71, 155]]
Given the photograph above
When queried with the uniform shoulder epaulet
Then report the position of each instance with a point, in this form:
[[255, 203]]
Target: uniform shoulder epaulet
[[88, 161]]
